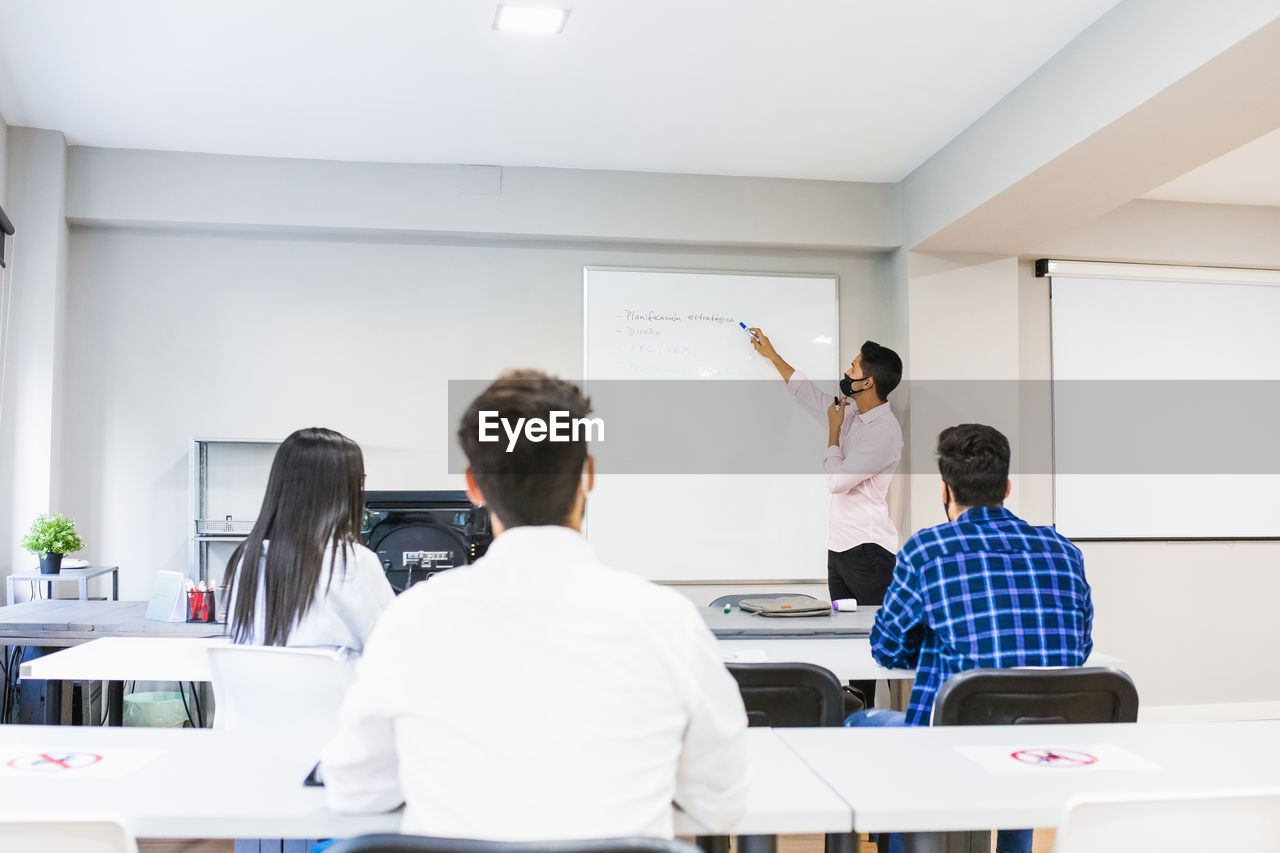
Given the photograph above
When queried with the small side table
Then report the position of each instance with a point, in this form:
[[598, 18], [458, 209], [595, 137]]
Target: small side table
[[80, 576]]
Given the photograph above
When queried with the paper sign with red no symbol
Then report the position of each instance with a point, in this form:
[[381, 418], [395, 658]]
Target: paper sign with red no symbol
[[34, 763], [1046, 760]]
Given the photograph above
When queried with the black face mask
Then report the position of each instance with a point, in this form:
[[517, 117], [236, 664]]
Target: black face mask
[[846, 386]]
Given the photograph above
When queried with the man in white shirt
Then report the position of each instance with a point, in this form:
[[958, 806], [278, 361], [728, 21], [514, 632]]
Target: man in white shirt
[[538, 694]]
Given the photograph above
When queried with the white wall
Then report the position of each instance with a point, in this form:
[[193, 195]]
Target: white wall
[[6, 483], [209, 322], [1177, 608], [31, 418], [259, 194], [173, 335], [4, 148], [963, 329], [1174, 612]]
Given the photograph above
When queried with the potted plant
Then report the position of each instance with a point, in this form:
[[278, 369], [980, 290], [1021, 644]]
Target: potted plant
[[52, 537]]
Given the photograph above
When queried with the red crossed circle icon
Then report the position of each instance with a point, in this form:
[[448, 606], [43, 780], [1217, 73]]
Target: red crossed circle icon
[[1054, 757], [47, 762]]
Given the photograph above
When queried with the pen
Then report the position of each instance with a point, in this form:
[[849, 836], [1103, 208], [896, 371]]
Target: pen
[[748, 331]]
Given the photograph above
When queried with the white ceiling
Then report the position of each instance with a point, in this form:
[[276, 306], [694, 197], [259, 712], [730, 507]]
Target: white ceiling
[[1248, 175], [862, 90]]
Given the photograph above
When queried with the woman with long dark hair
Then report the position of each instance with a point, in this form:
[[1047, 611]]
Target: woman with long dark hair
[[302, 577]]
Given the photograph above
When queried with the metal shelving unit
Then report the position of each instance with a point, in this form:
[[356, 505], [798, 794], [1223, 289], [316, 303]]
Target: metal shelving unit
[[205, 530]]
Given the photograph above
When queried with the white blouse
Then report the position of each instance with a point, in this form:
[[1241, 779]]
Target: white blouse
[[341, 616]]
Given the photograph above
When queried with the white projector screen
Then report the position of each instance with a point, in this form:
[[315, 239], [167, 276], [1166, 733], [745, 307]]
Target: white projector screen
[[1165, 407]]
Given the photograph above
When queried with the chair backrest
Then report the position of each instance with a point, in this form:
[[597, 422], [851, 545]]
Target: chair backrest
[[66, 833], [789, 695], [264, 689], [1244, 821], [732, 600], [995, 697], [423, 844]]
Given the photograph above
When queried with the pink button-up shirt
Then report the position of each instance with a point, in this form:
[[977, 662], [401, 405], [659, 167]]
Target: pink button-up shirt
[[858, 471]]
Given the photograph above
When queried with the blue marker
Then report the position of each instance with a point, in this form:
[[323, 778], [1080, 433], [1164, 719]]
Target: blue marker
[[748, 331]]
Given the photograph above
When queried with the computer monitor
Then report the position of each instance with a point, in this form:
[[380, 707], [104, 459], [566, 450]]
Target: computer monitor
[[417, 534]]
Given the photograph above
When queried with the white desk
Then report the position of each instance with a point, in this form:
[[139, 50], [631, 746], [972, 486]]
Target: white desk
[[915, 780], [79, 576], [66, 622], [848, 657], [740, 623], [128, 659], [185, 658], [203, 784]]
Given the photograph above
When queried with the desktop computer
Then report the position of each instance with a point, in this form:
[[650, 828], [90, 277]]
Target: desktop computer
[[419, 534]]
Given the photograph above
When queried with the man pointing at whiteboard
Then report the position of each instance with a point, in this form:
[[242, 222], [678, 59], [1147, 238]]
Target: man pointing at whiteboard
[[864, 445]]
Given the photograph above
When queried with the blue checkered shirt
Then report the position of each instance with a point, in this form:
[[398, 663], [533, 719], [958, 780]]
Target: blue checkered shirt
[[987, 590]]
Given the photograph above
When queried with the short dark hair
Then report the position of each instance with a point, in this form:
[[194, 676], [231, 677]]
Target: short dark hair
[[883, 366], [974, 462], [536, 482]]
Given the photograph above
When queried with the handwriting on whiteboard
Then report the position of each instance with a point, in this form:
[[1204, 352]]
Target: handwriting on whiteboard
[[672, 317]]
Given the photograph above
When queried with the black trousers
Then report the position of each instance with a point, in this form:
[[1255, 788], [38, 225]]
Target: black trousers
[[863, 572]]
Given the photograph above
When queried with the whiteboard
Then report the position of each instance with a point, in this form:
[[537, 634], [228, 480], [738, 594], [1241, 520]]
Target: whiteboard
[[668, 326], [1165, 400]]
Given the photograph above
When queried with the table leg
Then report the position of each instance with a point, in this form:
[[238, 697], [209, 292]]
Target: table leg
[[83, 583], [115, 585], [8, 589], [757, 844], [115, 703], [66, 690], [841, 842], [947, 842]]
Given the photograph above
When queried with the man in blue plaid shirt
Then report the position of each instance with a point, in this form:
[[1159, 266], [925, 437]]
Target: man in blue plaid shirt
[[984, 590]]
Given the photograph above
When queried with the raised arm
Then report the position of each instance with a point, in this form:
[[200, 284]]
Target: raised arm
[[810, 396], [765, 348]]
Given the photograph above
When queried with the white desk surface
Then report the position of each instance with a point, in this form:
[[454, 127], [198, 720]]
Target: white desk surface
[[66, 574], [738, 622], [785, 797], [185, 658], [203, 784], [128, 659], [915, 779], [68, 622], [196, 784], [848, 657]]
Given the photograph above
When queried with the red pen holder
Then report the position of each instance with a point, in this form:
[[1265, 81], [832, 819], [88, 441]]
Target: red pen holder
[[200, 607]]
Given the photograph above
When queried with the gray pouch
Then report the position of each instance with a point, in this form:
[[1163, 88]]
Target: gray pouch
[[790, 605]]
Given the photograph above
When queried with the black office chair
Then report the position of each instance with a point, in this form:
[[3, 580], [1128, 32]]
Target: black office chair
[[789, 695], [391, 843], [732, 600], [1003, 697]]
